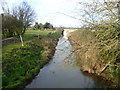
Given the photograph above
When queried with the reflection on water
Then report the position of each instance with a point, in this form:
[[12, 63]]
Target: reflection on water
[[62, 71]]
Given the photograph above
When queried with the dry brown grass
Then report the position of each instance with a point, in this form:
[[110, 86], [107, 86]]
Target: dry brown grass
[[98, 51], [87, 51]]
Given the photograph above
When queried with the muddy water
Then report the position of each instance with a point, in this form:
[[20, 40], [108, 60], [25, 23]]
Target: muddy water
[[62, 71]]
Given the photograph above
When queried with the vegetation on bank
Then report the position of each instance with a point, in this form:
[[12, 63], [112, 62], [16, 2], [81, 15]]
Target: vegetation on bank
[[97, 42], [98, 52], [21, 63]]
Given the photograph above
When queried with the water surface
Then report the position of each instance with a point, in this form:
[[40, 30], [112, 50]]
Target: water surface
[[62, 71]]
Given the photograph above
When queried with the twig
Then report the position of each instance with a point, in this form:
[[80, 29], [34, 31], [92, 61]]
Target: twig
[[76, 49], [75, 42], [103, 69]]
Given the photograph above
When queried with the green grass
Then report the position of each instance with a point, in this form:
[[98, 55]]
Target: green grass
[[37, 32], [30, 33], [21, 64], [9, 47]]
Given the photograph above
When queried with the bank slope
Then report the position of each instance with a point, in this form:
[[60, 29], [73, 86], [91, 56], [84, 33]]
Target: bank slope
[[98, 53]]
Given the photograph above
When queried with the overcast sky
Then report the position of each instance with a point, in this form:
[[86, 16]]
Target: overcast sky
[[46, 11]]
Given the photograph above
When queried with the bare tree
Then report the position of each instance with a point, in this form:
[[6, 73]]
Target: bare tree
[[99, 12], [18, 19], [24, 13]]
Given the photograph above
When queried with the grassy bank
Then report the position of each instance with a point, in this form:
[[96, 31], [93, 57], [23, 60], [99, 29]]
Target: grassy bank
[[98, 52], [21, 64]]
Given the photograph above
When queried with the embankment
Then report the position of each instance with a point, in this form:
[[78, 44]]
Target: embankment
[[94, 57], [20, 65]]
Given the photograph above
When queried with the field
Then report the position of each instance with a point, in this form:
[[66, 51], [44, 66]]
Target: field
[[28, 36]]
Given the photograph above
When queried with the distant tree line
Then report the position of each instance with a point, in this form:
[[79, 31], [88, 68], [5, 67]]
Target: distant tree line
[[43, 26]]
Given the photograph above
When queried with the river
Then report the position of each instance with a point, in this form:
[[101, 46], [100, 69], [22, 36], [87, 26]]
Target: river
[[63, 72]]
